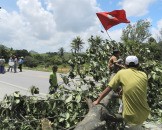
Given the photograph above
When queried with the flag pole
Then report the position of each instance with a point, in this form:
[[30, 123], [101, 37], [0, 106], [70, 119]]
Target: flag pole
[[108, 35]]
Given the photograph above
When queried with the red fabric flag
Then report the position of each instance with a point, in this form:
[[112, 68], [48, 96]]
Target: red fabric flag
[[109, 19]]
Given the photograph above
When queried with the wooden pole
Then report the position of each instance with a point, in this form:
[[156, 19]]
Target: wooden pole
[[108, 35]]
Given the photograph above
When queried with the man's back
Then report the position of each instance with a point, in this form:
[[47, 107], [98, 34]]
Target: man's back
[[134, 85]]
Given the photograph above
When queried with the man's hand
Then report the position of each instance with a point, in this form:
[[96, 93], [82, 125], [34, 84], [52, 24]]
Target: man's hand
[[95, 102], [102, 95], [123, 66]]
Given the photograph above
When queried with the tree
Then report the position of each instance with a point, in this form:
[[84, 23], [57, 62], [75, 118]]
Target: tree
[[40, 58], [77, 44], [30, 62], [98, 118], [11, 51], [20, 53], [155, 48], [4, 51], [152, 40], [61, 52], [136, 33], [52, 53]]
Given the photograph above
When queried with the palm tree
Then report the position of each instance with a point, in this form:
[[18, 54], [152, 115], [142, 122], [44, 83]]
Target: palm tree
[[61, 51], [77, 44]]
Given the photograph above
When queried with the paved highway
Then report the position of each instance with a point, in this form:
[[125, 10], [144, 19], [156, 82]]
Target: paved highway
[[22, 81]]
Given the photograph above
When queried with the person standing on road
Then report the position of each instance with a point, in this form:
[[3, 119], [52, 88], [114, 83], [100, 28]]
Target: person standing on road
[[15, 64], [1, 62], [2, 65], [20, 63], [134, 96], [10, 64], [53, 80]]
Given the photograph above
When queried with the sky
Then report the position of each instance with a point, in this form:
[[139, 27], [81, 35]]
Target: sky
[[47, 25]]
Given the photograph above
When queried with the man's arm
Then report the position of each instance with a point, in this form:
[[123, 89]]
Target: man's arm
[[121, 66], [102, 95], [115, 61], [50, 81]]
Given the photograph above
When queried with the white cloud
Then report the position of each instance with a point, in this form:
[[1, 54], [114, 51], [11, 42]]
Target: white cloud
[[136, 7], [75, 16], [47, 27], [159, 24], [116, 35], [39, 21], [156, 30]]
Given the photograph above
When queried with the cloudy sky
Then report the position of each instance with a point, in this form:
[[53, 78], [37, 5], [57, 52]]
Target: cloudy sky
[[47, 25]]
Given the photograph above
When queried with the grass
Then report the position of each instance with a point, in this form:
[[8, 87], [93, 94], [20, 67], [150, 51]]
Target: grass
[[61, 69]]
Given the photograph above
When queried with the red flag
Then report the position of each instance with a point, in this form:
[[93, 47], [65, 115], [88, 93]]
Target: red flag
[[109, 19]]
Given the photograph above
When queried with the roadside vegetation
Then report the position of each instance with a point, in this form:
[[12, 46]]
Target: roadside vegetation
[[64, 109]]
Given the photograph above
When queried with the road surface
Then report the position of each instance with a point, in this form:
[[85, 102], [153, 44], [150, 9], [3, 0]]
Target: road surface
[[22, 81]]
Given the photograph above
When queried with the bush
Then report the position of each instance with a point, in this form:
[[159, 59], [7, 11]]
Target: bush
[[30, 62]]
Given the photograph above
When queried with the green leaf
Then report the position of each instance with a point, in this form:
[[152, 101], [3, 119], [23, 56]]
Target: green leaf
[[17, 101], [149, 76], [16, 94], [54, 105], [74, 116], [158, 69], [67, 125], [69, 99], [61, 119], [78, 98], [67, 116], [154, 76], [160, 90]]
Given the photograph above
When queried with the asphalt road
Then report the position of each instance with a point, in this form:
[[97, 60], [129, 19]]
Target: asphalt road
[[22, 81]]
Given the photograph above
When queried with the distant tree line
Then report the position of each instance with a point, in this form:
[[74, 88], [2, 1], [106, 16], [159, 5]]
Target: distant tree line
[[33, 59]]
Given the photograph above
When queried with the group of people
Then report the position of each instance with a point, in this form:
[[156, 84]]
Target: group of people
[[13, 64]]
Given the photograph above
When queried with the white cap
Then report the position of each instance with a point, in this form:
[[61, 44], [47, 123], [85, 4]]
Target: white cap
[[130, 59]]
